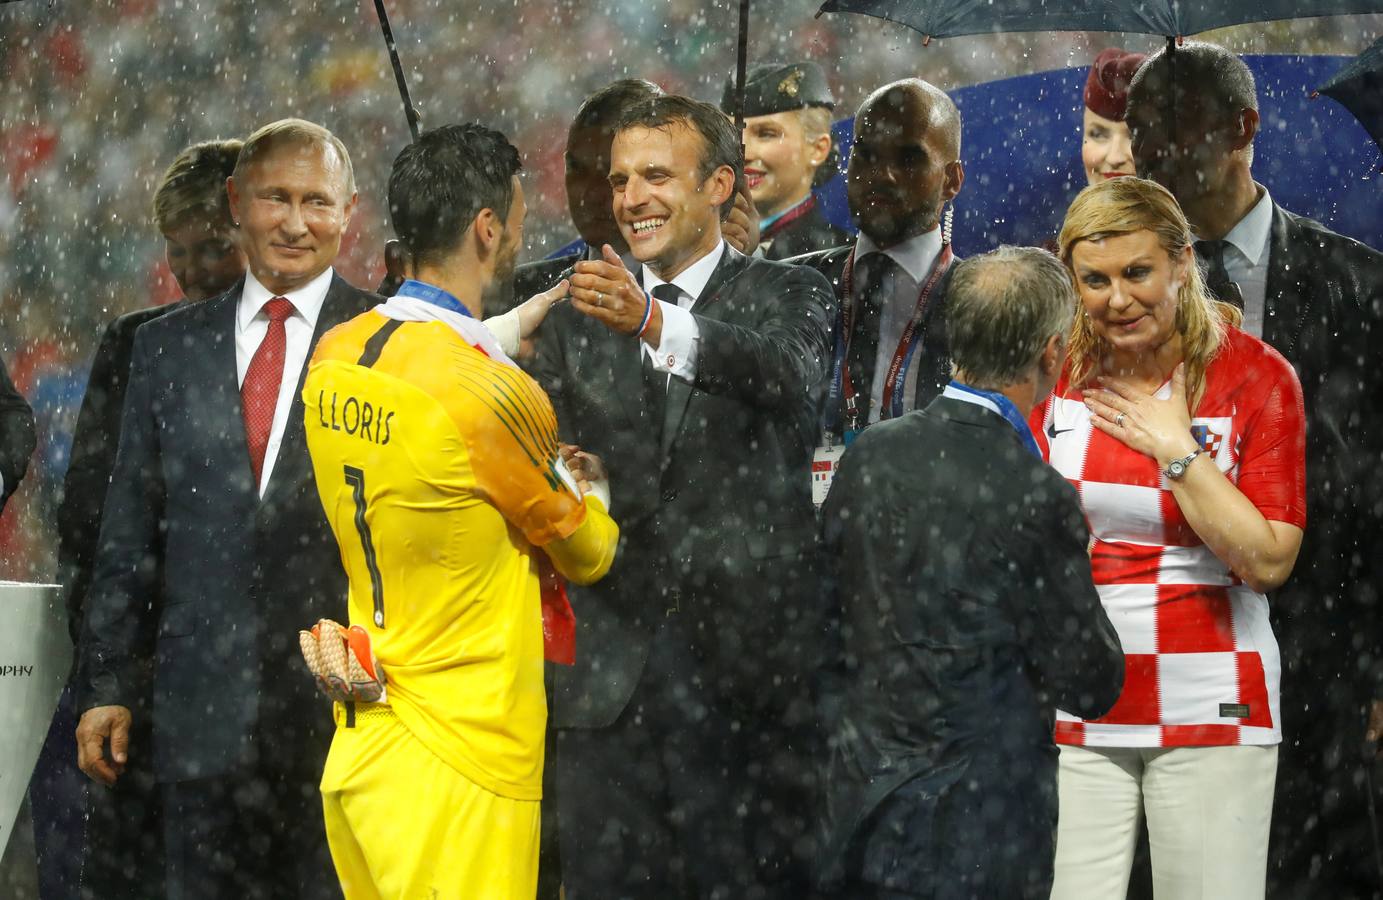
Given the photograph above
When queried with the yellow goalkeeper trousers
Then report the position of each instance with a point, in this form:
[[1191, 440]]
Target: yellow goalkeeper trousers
[[403, 824]]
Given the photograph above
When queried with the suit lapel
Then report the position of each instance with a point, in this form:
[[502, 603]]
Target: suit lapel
[[625, 365], [679, 392], [1285, 303], [212, 363]]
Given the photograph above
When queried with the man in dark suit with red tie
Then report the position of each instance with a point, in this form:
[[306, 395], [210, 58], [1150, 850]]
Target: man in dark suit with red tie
[[213, 541]]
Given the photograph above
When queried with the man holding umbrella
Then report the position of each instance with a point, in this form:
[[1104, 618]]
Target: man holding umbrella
[[1316, 297]]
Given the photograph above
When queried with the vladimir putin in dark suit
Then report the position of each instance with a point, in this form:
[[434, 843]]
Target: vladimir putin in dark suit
[[213, 511], [968, 613], [685, 723]]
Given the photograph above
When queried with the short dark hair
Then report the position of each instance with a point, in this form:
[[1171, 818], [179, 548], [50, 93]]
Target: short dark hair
[[720, 141], [290, 133], [1209, 71], [440, 183], [604, 108]]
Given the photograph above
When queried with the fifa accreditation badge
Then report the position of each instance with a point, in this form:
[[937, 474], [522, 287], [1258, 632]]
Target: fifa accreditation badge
[[824, 461]]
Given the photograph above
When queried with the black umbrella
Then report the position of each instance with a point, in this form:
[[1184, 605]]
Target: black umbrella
[[409, 110], [1359, 88], [1172, 18], [741, 62]]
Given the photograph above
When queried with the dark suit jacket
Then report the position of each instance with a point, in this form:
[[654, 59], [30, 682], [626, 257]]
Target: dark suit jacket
[[239, 575], [1324, 313], [808, 234], [716, 517], [93, 458], [934, 356], [967, 616], [17, 439]]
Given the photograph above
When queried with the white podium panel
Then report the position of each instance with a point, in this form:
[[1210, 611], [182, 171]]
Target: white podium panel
[[35, 655]]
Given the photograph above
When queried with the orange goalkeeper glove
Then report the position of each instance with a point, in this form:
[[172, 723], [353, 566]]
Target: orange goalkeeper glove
[[343, 663]]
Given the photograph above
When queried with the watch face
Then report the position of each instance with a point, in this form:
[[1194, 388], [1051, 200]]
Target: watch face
[[1175, 468]]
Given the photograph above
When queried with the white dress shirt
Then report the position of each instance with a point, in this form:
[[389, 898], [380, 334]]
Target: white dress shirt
[[252, 324], [1246, 260], [676, 350], [915, 258]]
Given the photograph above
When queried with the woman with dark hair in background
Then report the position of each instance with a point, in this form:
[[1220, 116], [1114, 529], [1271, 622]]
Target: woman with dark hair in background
[[1186, 439], [121, 851]]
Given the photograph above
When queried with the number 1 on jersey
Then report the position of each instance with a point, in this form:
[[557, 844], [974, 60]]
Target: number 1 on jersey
[[356, 479]]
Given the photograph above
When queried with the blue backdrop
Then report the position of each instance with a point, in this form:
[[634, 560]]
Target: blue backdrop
[[1021, 149]]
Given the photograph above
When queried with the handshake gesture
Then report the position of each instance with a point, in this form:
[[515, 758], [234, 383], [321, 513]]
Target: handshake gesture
[[607, 292]]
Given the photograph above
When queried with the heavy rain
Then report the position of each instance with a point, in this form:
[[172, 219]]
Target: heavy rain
[[700, 449]]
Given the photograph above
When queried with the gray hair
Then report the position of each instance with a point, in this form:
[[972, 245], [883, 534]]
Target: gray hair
[[1002, 308], [294, 132]]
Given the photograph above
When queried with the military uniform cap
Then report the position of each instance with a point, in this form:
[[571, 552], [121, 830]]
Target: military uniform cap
[[779, 87]]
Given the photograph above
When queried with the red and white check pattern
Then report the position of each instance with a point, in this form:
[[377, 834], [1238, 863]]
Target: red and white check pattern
[[1201, 662]]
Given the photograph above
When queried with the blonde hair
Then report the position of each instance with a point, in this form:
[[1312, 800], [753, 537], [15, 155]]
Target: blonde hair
[[194, 186], [294, 132], [816, 121], [1123, 206]]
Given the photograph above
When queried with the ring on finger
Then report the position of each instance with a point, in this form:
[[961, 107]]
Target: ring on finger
[[1119, 421]]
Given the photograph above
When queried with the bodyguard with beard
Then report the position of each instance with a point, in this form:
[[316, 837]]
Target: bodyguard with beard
[[890, 351]]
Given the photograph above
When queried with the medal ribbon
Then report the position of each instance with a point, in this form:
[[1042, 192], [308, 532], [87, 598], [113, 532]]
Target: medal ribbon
[[995, 402], [431, 294], [894, 383]]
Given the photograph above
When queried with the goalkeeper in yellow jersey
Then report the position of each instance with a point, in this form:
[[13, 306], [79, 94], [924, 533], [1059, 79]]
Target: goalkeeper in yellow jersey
[[438, 465]]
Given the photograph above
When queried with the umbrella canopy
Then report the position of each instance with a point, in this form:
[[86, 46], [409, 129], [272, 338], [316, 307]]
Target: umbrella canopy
[[1359, 88], [951, 18]]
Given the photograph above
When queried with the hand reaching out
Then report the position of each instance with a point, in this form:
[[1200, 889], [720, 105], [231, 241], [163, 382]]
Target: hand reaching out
[[587, 468], [533, 311], [607, 292]]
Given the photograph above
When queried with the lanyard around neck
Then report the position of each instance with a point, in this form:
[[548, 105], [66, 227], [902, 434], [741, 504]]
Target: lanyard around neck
[[842, 385], [432, 294]]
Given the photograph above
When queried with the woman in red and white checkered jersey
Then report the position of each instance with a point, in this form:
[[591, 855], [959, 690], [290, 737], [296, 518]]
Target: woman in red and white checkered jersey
[[1185, 438]]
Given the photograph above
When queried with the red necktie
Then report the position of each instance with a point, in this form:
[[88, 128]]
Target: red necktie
[[259, 393]]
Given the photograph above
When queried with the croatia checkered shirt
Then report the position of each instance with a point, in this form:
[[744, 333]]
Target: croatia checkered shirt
[[1201, 662]]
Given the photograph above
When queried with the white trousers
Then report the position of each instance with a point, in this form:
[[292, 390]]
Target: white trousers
[[1207, 808]]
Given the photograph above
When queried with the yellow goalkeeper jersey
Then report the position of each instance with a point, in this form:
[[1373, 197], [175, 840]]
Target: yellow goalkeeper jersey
[[436, 461]]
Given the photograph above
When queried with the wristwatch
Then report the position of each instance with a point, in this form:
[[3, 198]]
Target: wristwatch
[[1177, 467]]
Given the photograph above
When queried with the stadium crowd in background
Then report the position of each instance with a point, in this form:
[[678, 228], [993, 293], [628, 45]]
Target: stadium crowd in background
[[719, 391], [97, 99]]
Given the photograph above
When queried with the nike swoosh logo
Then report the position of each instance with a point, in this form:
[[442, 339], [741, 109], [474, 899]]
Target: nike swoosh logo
[[1053, 431]]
